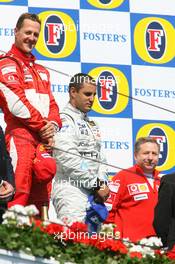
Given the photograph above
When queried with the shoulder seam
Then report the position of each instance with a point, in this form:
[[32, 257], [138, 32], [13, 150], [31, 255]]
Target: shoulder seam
[[62, 113]]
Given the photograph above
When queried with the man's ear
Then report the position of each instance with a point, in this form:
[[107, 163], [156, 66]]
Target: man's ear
[[135, 155], [73, 92], [15, 31]]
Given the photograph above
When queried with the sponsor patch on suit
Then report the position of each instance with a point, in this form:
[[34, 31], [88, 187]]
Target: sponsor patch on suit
[[114, 186], [137, 188], [140, 197]]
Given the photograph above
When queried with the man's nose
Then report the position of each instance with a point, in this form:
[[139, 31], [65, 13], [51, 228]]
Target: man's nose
[[92, 98], [32, 37], [150, 156]]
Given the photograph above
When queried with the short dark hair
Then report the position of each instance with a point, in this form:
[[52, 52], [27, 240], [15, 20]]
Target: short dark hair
[[143, 140], [24, 16], [79, 79]]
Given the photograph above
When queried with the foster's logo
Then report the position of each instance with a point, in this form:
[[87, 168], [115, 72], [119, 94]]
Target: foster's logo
[[54, 34], [164, 135], [107, 90], [105, 4], [111, 84], [155, 40], [160, 136], [58, 37]]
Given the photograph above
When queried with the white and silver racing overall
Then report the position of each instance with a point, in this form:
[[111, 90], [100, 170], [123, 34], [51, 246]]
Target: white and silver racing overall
[[78, 140]]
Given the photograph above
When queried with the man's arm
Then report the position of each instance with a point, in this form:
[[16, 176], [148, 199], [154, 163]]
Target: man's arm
[[47, 133], [13, 96], [6, 191], [7, 182], [163, 211], [116, 187], [53, 115], [53, 121], [9, 176], [77, 168], [101, 191]]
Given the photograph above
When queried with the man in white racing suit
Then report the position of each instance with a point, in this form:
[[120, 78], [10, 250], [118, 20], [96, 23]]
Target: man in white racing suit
[[81, 168]]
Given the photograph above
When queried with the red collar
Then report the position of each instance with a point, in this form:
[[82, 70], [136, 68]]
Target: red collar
[[139, 170], [21, 55]]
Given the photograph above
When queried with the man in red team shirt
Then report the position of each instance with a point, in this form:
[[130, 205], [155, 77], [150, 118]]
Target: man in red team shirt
[[29, 108], [134, 193]]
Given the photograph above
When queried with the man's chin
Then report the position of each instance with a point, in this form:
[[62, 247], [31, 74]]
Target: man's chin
[[149, 169], [26, 51], [87, 109]]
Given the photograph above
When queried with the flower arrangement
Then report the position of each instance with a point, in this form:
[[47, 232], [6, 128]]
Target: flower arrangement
[[22, 232]]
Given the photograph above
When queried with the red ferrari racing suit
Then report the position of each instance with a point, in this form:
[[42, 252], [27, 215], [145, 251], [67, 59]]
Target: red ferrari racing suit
[[26, 101], [132, 200]]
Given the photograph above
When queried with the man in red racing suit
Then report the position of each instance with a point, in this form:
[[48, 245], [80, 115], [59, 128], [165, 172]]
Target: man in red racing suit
[[29, 108], [134, 194]]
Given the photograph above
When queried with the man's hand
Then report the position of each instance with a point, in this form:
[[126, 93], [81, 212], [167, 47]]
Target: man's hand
[[47, 131], [102, 194], [50, 144], [6, 190]]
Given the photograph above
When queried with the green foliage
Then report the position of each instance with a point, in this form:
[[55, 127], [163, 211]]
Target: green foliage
[[35, 242]]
